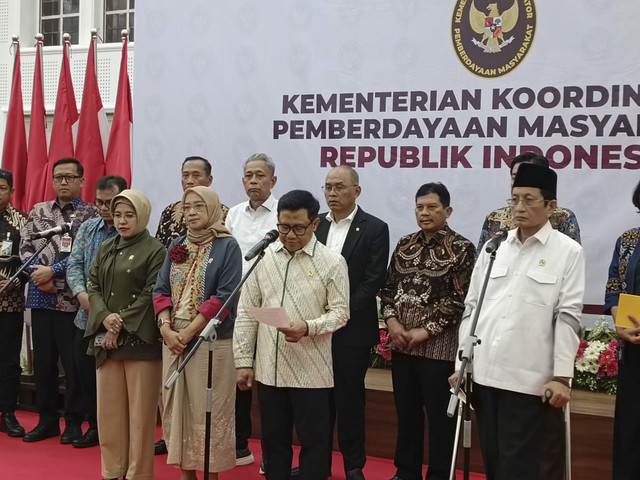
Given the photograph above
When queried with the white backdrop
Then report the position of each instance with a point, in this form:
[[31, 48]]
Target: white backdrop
[[219, 78]]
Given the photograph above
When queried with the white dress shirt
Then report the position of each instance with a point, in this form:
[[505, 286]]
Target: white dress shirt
[[530, 318], [337, 233], [248, 226]]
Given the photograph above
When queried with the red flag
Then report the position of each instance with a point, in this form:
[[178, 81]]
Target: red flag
[[93, 128], [119, 149], [37, 150], [65, 120], [14, 153]]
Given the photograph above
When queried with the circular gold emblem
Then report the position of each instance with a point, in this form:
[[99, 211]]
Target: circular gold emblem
[[492, 37]]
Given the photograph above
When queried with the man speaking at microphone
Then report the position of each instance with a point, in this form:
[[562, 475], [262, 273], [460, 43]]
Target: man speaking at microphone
[[292, 363], [565, 221], [528, 328], [53, 305]]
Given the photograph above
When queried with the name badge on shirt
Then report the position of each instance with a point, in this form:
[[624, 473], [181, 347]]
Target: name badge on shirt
[[65, 243], [6, 248]]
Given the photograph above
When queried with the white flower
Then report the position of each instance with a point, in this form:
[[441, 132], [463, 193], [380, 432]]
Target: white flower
[[593, 367], [595, 348], [582, 364]]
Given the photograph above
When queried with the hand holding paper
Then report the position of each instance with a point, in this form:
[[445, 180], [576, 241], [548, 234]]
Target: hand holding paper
[[295, 332], [272, 316], [626, 318]]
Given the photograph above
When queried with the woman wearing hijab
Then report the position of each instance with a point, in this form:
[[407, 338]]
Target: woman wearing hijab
[[197, 277], [124, 339]]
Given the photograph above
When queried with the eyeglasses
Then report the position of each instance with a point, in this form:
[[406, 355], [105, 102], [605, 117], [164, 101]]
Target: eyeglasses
[[198, 207], [298, 230], [339, 188], [128, 216], [66, 178], [528, 202], [101, 203]]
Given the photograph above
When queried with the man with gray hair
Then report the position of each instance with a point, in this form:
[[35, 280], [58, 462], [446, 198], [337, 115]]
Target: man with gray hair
[[248, 222]]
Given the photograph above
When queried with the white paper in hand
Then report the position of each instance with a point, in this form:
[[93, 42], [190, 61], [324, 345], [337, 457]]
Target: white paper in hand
[[273, 316]]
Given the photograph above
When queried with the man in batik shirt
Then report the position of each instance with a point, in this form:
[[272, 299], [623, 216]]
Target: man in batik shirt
[[11, 307], [195, 171], [53, 306], [422, 304]]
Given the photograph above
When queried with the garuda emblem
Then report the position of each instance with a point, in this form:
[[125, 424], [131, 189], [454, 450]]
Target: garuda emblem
[[493, 26]]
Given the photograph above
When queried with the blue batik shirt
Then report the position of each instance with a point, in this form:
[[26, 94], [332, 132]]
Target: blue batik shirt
[[90, 236], [47, 215]]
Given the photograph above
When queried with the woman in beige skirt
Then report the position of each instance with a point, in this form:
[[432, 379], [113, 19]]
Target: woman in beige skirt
[[198, 275], [124, 339]]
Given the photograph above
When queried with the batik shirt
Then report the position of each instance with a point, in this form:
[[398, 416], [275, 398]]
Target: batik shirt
[[173, 225], [312, 285], [11, 221], [47, 215], [426, 283], [90, 236]]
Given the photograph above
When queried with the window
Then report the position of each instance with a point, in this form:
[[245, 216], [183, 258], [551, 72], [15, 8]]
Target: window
[[58, 17], [118, 14]]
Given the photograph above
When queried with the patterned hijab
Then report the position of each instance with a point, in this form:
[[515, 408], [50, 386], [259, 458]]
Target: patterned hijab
[[140, 204], [215, 226]]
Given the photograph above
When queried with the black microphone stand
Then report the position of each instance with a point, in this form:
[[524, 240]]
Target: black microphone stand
[[26, 263], [209, 334], [466, 376]]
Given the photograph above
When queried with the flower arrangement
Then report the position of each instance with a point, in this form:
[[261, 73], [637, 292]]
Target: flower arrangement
[[596, 363], [381, 353], [179, 253]]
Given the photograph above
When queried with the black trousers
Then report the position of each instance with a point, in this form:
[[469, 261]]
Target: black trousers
[[554, 448], [421, 385], [86, 375], [626, 424], [347, 404], [512, 432], [11, 327], [244, 399], [308, 410], [53, 333]]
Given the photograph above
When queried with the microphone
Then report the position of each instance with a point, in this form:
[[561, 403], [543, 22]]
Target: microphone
[[59, 230], [270, 237], [495, 241]]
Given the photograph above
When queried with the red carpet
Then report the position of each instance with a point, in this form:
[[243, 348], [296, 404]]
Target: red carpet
[[49, 459]]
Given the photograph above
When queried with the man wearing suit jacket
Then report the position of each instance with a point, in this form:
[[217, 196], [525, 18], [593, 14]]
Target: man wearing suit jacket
[[363, 240]]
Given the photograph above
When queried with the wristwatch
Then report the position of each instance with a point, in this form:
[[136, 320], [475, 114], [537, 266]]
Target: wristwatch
[[162, 320]]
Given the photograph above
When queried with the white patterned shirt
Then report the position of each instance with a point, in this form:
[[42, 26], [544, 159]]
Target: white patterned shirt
[[312, 285]]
